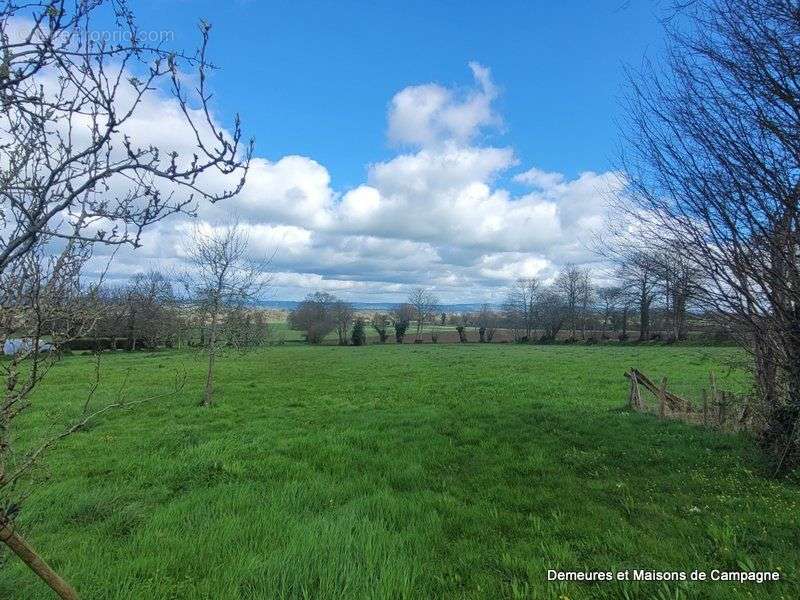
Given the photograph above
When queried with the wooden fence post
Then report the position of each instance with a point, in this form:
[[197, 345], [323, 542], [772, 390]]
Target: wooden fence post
[[705, 407], [713, 381], [635, 399], [745, 417]]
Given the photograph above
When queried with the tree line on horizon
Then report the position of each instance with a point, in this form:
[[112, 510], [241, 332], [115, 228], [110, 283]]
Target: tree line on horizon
[[571, 308]]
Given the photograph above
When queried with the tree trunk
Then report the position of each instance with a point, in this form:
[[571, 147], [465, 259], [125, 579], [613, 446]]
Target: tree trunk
[[681, 314], [29, 556], [625, 322], [644, 318], [573, 319], [783, 427], [131, 328]]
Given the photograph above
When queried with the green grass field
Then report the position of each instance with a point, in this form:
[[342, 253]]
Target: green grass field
[[427, 471]]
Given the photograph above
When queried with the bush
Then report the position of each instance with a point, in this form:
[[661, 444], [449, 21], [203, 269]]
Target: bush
[[400, 331], [359, 337]]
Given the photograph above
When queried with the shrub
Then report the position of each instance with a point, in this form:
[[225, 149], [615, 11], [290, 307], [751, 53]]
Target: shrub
[[400, 331], [359, 336]]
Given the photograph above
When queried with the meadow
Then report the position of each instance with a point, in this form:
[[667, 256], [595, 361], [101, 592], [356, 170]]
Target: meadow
[[415, 471]]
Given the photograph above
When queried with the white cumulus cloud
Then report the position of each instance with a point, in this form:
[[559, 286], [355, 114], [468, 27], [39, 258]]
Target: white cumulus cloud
[[436, 214]]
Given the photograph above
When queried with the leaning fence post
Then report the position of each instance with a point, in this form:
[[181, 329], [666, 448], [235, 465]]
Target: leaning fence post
[[662, 396], [635, 398], [631, 402]]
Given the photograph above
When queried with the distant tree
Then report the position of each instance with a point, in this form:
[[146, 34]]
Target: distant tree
[[575, 288], [380, 323], [112, 319], [315, 316], [343, 316], [150, 306], [425, 304], [585, 298], [679, 283], [610, 299], [486, 320], [443, 319], [519, 307], [222, 279], [638, 271], [551, 310], [359, 337], [245, 328], [462, 336], [401, 318]]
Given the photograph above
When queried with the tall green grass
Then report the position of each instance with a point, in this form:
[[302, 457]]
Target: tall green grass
[[457, 471]]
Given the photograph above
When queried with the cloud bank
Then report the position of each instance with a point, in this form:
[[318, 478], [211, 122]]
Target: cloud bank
[[447, 212]]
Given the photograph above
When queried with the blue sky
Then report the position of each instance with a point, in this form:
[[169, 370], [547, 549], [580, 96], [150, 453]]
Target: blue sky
[[315, 78], [455, 146]]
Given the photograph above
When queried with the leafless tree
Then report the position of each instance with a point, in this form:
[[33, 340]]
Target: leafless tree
[[637, 272], [343, 314], [713, 167], [425, 304], [73, 175], [551, 311], [610, 298], [222, 280], [150, 305], [679, 283], [44, 306], [574, 284], [520, 307], [486, 321], [586, 296], [72, 167]]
